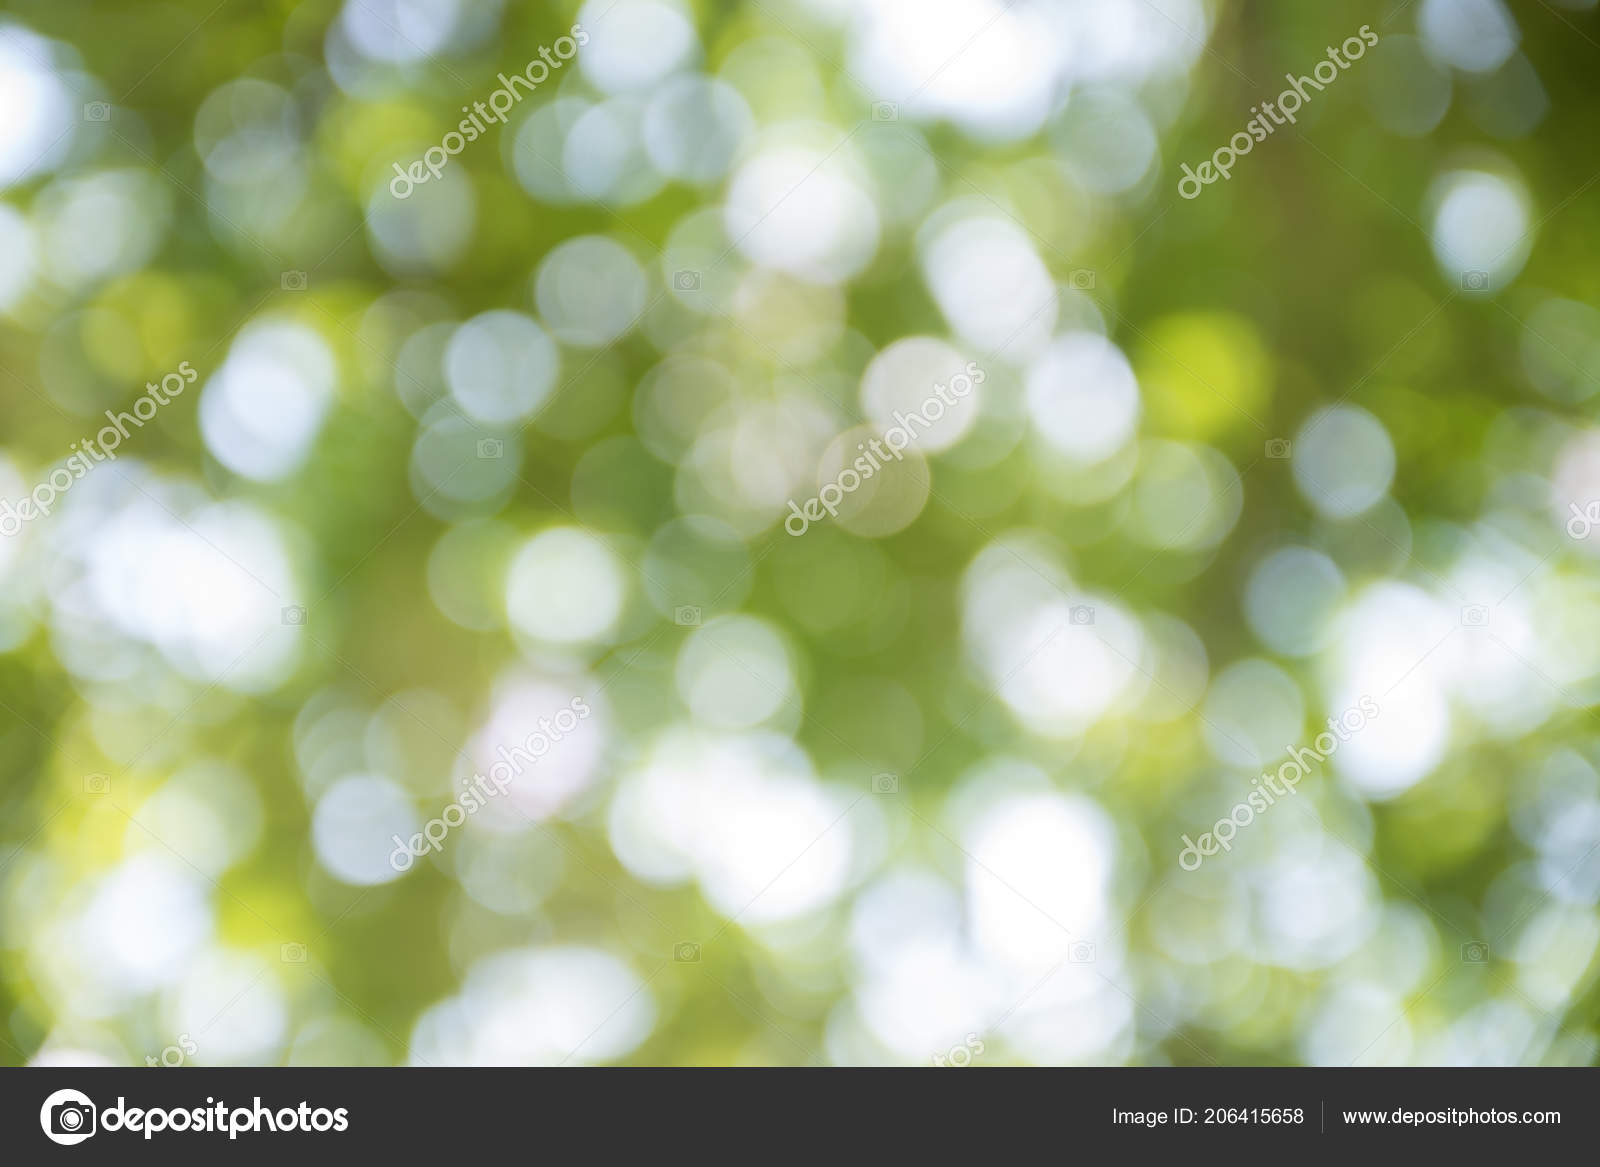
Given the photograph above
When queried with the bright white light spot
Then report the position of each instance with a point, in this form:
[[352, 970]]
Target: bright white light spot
[[693, 127], [1481, 231], [1343, 461], [207, 587], [734, 673], [906, 378], [1316, 906], [261, 412], [1386, 646], [590, 290], [991, 286], [990, 68], [501, 366], [567, 1005], [742, 815], [232, 1000], [1106, 140], [798, 209], [1082, 397], [1475, 35], [148, 897], [354, 825], [41, 115], [1357, 1024], [400, 32], [1038, 876], [604, 158], [565, 586], [1290, 599], [1059, 657], [633, 44], [1127, 41], [102, 224], [551, 739]]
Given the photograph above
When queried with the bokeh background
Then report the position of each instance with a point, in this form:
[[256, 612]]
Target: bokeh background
[[908, 788]]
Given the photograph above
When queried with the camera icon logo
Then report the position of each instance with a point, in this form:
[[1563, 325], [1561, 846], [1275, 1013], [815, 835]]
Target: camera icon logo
[[885, 111], [292, 953], [97, 111], [1475, 952], [1474, 281], [686, 953], [293, 281], [96, 784], [1474, 616], [1082, 279], [1081, 614], [1278, 448], [67, 1117], [688, 615], [294, 615], [885, 784], [491, 448], [686, 280], [1081, 952]]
